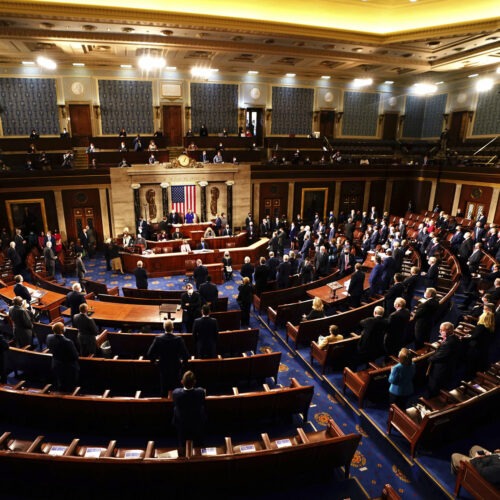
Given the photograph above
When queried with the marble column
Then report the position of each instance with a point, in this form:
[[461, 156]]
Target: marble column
[[203, 185], [230, 185]]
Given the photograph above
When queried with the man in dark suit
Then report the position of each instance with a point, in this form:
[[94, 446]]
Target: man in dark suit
[[200, 273], [443, 361], [388, 269], [410, 285], [397, 325], [64, 359], [395, 291], [74, 299], [475, 258], [191, 307], [321, 262], [371, 343], [20, 290], [374, 238], [431, 276], [205, 334], [189, 412], [456, 239], [349, 229], [141, 276], [424, 317], [170, 351], [272, 265], [209, 293], [283, 273], [87, 331], [346, 262], [202, 245], [247, 269], [356, 286], [261, 276]]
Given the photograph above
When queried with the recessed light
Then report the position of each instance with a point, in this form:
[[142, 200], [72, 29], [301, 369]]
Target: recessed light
[[78, 64], [484, 84], [439, 83], [253, 72], [28, 63], [473, 75], [362, 82], [167, 32], [326, 77], [125, 65], [290, 75], [46, 63], [357, 49], [171, 68], [388, 82]]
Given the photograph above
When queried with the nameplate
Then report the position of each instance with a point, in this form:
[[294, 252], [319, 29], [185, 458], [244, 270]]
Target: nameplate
[[209, 451], [247, 448], [283, 443], [57, 451], [133, 453], [169, 454], [93, 452]]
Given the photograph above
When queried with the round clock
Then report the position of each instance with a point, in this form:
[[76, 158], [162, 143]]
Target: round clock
[[77, 88], [183, 160], [255, 93]]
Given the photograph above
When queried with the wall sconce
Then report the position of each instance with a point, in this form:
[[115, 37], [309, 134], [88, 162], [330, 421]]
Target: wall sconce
[[62, 109], [471, 115], [339, 116], [446, 116], [157, 109], [187, 110], [401, 119], [269, 112], [97, 110], [315, 116], [381, 118]]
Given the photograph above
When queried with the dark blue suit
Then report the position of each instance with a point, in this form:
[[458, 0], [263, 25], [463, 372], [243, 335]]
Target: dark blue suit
[[205, 335]]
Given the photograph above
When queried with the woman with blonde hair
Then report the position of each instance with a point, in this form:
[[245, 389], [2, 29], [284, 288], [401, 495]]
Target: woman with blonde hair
[[479, 344], [228, 266], [317, 310], [401, 379]]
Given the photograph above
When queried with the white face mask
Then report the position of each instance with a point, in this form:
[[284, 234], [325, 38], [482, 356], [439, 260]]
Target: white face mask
[[190, 291]]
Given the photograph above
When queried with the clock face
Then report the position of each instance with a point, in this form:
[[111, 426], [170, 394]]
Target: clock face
[[183, 160], [255, 93]]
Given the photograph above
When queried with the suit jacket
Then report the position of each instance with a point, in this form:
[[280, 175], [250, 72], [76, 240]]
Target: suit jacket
[[200, 275], [64, 361], [398, 255], [475, 260], [432, 276], [85, 325], [247, 270], [370, 345], [375, 279], [395, 291], [349, 230], [141, 278], [209, 294], [171, 351], [396, 331], [21, 291], [356, 286], [23, 325], [465, 249], [321, 263], [73, 301], [189, 411], [283, 274], [261, 277], [410, 285], [205, 335], [443, 363], [191, 305], [346, 267]]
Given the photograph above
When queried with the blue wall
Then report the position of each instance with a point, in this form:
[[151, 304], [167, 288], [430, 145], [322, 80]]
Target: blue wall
[[292, 111], [29, 103], [126, 104], [361, 111], [487, 118], [424, 115]]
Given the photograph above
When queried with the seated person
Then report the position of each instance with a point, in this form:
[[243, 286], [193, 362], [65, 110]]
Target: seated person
[[67, 159], [127, 239], [218, 158], [185, 247], [158, 133], [124, 163], [192, 146], [317, 310], [331, 338], [91, 148], [152, 160], [93, 164], [152, 146], [209, 233], [177, 235], [163, 236], [122, 133], [486, 463], [123, 147]]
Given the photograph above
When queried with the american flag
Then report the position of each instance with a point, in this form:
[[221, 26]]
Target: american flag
[[184, 198]]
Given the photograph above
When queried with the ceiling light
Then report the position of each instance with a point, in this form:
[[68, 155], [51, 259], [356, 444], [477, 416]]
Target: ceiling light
[[484, 84], [46, 63], [79, 64], [171, 68], [439, 83], [326, 77], [150, 63], [290, 75], [28, 63], [362, 82], [253, 72], [424, 88], [388, 82], [125, 66], [473, 75], [198, 72]]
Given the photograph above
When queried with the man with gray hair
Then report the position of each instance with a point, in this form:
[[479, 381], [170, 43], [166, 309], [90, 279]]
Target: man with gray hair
[[75, 298], [50, 260], [371, 343], [141, 276]]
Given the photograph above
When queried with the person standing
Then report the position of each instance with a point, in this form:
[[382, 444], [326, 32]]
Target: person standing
[[80, 268], [15, 258], [22, 322], [75, 299], [283, 273], [189, 412], [261, 276], [141, 276], [356, 286], [397, 324], [209, 293], [200, 273], [247, 269], [205, 334], [443, 362], [50, 260], [20, 290], [401, 379], [87, 331], [64, 359], [170, 352], [191, 307], [245, 299], [371, 343], [92, 241], [424, 317]]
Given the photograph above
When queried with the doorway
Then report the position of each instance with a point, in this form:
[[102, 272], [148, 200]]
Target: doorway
[[458, 128], [80, 122], [254, 123], [172, 124], [389, 133], [327, 123]]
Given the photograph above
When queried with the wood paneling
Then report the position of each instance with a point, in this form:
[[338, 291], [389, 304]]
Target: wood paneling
[[273, 200], [377, 196], [404, 190], [351, 196], [445, 192], [479, 195], [297, 198], [172, 124]]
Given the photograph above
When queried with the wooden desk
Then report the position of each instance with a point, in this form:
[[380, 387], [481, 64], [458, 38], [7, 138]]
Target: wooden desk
[[49, 303], [110, 314], [328, 297]]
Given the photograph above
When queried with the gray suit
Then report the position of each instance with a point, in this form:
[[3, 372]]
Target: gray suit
[[23, 325]]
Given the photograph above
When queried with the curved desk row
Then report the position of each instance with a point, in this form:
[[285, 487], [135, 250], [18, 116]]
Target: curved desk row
[[168, 264]]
